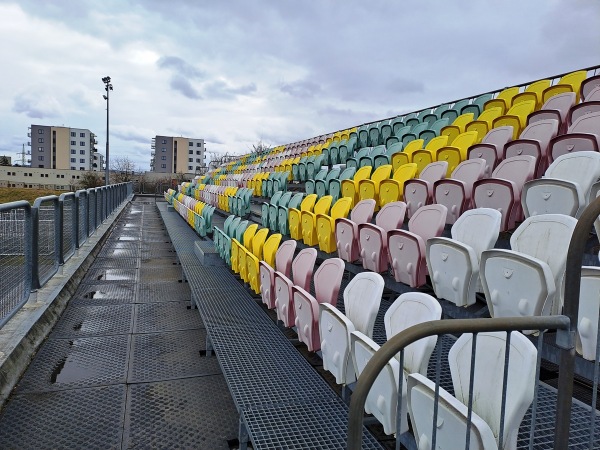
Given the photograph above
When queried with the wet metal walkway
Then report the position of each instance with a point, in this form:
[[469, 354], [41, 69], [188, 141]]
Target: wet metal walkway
[[123, 366]]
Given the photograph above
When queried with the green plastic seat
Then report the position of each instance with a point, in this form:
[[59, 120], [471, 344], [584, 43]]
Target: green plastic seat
[[264, 209], [385, 131], [434, 130], [321, 186], [414, 132], [363, 136], [452, 113], [303, 167], [284, 200], [353, 162], [374, 135], [310, 185], [397, 123], [391, 140], [312, 167], [386, 158], [369, 159], [401, 132], [347, 150], [335, 185], [476, 106], [282, 212], [334, 153], [436, 114]]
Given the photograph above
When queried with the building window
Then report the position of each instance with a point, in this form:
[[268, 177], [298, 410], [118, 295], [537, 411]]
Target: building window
[[82, 161], [190, 159], [81, 168], [82, 143], [73, 134], [81, 134], [73, 142], [41, 140], [40, 149], [163, 150], [40, 131], [164, 141], [73, 160], [82, 152], [164, 166], [190, 168], [164, 158], [199, 144], [73, 151], [191, 152], [191, 144], [72, 168], [41, 158], [198, 160], [41, 166], [198, 152]]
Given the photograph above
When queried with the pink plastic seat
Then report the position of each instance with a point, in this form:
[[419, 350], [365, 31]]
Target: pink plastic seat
[[581, 109], [491, 148], [327, 281], [534, 141], [583, 135], [302, 269], [557, 107], [590, 88], [346, 230], [406, 249], [373, 237], [503, 190], [283, 264], [456, 193], [419, 191]]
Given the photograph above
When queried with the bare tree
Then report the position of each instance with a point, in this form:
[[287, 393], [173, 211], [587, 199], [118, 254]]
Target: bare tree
[[260, 147], [4, 161], [122, 169], [89, 180]]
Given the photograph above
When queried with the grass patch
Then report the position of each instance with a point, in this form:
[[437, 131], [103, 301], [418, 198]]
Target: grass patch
[[13, 194]]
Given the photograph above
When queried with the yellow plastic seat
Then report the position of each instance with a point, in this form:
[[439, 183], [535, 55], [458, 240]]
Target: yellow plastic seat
[[270, 248], [246, 242], [350, 187], [235, 250], [309, 220], [484, 122], [427, 155], [535, 91], [369, 188], [405, 156], [569, 83], [392, 190], [295, 216], [326, 224], [503, 100], [457, 152], [457, 127], [255, 250], [252, 260], [516, 117]]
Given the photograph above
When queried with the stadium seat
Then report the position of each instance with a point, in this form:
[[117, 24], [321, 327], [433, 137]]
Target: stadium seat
[[452, 113], [582, 135], [415, 131], [346, 230], [477, 105], [362, 298], [434, 130], [590, 88], [282, 212], [295, 216], [311, 183], [406, 249], [487, 388], [557, 107], [373, 238], [516, 117], [369, 187], [350, 186], [457, 127], [386, 158], [335, 185], [302, 270], [453, 264], [392, 190], [581, 109], [502, 100], [568, 83], [322, 186], [419, 191], [266, 251], [456, 193], [503, 190], [309, 220], [426, 156], [405, 156], [327, 280], [245, 242], [491, 148], [354, 160], [483, 124], [409, 309], [589, 305], [326, 224], [249, 237], [237, 237], [456, 152], [266, 206], [565, 187], [534, 141], [528, 280], [283, 264], [284, 201], [369, 159]]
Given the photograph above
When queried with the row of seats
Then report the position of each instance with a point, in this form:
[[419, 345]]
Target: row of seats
[[197, 214]]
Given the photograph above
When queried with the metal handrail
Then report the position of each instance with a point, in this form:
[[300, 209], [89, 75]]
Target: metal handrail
[[435, 328], [38, 280]]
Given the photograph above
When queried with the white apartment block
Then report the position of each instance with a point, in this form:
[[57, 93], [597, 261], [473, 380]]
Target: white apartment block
[[177, 155]]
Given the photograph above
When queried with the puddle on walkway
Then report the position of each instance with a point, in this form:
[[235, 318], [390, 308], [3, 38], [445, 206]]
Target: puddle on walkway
[[128, 238], [68, 371], [96, 294], [115, 275]]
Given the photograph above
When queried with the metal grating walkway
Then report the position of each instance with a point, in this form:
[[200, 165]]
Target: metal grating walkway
[[122, 367]]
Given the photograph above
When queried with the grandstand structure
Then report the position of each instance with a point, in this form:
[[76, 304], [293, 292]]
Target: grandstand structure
[[461, 214]]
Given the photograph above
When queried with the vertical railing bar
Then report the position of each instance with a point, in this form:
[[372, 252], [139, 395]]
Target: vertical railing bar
[[595, 388], [536, 388], [61, 232], [35, 284], [438, 370], [399, 405], [471, 388], [504, 389]]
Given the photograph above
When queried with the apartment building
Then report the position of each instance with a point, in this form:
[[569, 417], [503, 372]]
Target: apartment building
[[177, 155], [62, 148]]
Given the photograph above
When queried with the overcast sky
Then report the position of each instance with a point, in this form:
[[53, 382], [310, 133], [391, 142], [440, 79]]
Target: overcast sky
[[235, 72]]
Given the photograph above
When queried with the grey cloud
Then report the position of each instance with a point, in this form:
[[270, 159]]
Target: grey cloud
[[179, 66], [183, 86], [131, 135], [221, 89], [301, 88], [36, 106]]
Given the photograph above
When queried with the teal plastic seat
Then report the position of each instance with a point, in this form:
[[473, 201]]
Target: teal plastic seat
[[363, 136], [303, 167], [296, 168], [322, 185], [310, 185], [391, 140], [369, 159], [414, 132], [284, 200], [434, 130], [282, 212], [385, 131], [334, 153], [452, 113], [264, 209], [386, 158], [312, 167], [280, 181], [476, 106], [353, 162], [401, 132], [347, 150], [374, 135], [436, 114], [397, 123], [335, 185]]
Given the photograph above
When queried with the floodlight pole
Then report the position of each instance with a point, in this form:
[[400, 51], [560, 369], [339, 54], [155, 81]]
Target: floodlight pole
[[107, 87]]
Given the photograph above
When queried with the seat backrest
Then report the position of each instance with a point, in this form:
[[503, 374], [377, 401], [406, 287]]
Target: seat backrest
[[233, 226], [434, 171], [546, 237], [412, 308], [522, 109], [284, 200], [499, 136], [489, 374], [588, 123], [490, 114], [572, 81], [227, 223], [308, 203], [341, 208], [333, 173], [561, 103], [347, 173], [428, 221], [381, 173], [395, 147], [470, 171], [588, 86], [517, 169], [327, 280], [478, 228], [379, 150], [400, 132], [506, 95], [302, 268], [258, 242], [537, 89], [416, 130], [405, 172], [542, 131], [391, 216], [581, 167], [464, 140], [296, 200], [362, 298], [249, 234], [284, 257], [323, 205], [363, 211], [436, 143], [362, 174], [414, 145], [476, 106], [397, 123]]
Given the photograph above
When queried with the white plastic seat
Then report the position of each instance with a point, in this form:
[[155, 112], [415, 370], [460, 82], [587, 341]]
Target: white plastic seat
[[589, 305], [373, 238], [565, 187], [419, 191], [487, 394], [456, 193], [528, 280], [283, 264], [362, 298], [302, 269], [453, 264], [406, 249], [503, 190], [346, 230], [534, 140]]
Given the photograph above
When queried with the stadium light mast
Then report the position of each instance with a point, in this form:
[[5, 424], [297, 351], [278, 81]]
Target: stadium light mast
[[107, 87]]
